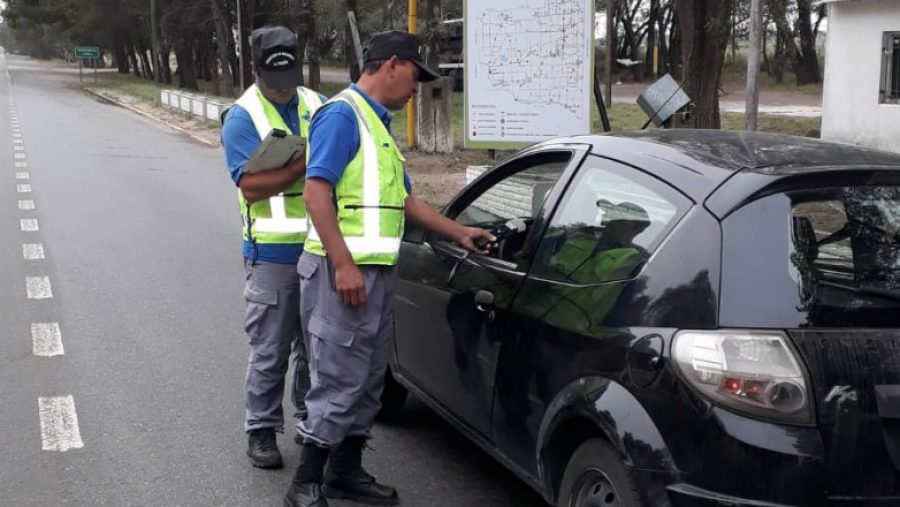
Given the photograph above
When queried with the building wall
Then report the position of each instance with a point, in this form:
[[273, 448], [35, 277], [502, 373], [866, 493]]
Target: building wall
[[851, 112]]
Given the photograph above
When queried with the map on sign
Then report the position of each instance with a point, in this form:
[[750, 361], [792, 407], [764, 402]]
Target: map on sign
[[528, 70]]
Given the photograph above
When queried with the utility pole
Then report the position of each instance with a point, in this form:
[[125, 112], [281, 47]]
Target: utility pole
[[610, 27], [411, 104], [756, 22], [240, 45]]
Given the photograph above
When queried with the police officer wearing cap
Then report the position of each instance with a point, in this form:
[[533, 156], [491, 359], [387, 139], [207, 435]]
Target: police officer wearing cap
[[274, 217], [358, 197]]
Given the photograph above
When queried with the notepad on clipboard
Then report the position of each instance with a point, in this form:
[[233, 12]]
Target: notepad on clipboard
[[277, 150]]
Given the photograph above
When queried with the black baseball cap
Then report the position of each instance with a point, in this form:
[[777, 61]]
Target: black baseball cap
[[275, 59], [406, 46]]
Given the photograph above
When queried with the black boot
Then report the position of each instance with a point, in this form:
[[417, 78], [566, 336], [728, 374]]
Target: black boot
[[346, 477], [263, 450], [305, 488]]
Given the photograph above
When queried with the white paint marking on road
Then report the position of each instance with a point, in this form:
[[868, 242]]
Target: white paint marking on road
[[22, 176], [29, 225], [33, 251], [26, 205], [18, 148], [38, 287], [46, 340], [59, 424], [18, 141], [21, 164], [20, 156], [23, 189], [17, 135]]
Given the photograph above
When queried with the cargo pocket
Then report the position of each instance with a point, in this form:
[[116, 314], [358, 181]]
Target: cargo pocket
[[334, 360], [306, 267], [259, 302]]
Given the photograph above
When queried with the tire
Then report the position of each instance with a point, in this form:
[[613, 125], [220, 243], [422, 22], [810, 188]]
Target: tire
[[596, 477], [392, 398]]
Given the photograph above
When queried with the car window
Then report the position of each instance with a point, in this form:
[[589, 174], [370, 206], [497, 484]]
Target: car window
[[827, 258], [518, 195], [609, 221]]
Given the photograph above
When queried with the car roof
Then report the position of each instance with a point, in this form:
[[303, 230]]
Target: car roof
[[699, 161]]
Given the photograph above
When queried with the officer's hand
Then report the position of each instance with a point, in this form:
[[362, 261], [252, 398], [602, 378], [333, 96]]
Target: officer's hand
[[297, 166], [350, 285], [477, 240]]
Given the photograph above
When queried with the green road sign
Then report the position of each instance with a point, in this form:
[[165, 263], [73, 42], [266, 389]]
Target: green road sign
[[87, 52]]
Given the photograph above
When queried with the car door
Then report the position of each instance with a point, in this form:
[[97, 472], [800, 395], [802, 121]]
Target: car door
[[450, 305], [569, 318]]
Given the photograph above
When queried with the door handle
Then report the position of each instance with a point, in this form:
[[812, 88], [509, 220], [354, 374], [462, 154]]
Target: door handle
[[484, 301]]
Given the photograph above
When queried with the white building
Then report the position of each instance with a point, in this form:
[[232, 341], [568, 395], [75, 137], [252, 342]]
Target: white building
[[861, 103]]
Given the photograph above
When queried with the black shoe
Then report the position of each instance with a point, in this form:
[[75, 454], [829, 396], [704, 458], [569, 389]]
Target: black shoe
[[346, 478], [263, 450], [304, 495], [362, 488]]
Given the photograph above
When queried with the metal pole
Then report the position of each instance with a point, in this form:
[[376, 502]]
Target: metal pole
[[95, 69], [609, 50], [240, 45], [411, 105], [81, 70], [756, 22]]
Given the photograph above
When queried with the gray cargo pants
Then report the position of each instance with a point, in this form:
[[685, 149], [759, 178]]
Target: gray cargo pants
[[348, 350], [272, 322]]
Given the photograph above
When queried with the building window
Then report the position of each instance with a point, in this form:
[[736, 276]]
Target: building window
[[890, 69]]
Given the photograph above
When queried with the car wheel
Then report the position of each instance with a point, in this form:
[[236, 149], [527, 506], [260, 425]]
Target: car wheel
[[596, 477], [392, 398]]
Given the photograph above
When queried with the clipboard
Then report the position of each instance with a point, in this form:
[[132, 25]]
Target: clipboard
[[276, 151]]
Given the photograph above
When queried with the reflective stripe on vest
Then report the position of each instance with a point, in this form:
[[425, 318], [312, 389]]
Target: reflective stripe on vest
[[369, 242], [281, 218]]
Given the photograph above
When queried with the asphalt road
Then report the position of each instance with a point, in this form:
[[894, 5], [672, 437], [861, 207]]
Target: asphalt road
[[122, 355]]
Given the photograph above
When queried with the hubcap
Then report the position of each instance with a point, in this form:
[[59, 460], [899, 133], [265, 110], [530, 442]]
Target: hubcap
[[594, 489]]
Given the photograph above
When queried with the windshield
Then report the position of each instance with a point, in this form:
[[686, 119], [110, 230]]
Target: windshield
[[814, 258]]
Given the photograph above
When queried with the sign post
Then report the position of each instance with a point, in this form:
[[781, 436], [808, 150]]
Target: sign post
[[82, 52]]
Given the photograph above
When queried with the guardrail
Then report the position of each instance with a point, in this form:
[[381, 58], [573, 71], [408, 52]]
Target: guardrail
[[195, 105]]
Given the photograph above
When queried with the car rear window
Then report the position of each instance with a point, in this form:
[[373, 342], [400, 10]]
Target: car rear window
[[814, 258]]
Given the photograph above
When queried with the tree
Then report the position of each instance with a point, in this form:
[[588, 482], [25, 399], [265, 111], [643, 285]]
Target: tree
[[705, 27]]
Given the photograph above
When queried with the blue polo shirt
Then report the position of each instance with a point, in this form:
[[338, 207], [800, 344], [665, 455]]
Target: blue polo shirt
[[334, 139], [240, 139]]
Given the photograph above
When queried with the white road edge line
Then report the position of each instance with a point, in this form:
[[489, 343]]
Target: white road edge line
[[29, 225], [38, 287], [33, 251], [59, 424], [46, 339]]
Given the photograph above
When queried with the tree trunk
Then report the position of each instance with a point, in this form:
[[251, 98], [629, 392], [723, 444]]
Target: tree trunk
[[247, 18], [145, 63], [653, 22], [807, 65], [349, 49], [785, 49], [223, 35], [187, 75], [155, 42], [312, 50], [706, 28], [387, 21], [676, 64]]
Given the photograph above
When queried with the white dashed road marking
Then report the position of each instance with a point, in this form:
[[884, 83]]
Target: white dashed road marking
[[33, 251], [23, 189], [46, 340], [38, 287], [26, 205], [29, 225], [59, 424], [22, 176]]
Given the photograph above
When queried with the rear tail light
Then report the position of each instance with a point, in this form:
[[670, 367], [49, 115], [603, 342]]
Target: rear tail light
[[755, 373]]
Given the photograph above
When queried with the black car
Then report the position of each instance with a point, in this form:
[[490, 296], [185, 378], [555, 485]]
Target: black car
[[677, 318]]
